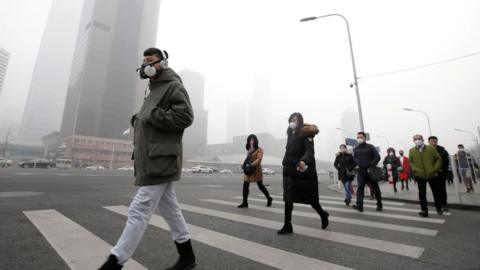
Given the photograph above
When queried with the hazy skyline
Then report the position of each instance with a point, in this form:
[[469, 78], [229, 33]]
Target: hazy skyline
[[308, 64]]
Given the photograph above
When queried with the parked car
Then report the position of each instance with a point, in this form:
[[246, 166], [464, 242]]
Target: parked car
[[268, 171], [126, 169], [37, 163], [225, 171], [63, 163], [187, 170], [5, 163], [95, 168], [202, 169]]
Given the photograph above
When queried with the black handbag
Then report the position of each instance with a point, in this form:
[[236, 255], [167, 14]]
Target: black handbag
[[247, 167], [376, 174]]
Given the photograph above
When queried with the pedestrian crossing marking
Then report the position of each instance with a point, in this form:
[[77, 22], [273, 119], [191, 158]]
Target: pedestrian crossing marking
[[348, 239], [78, 247], [357, 222], [257, 252], [368, 213], [409, 210]]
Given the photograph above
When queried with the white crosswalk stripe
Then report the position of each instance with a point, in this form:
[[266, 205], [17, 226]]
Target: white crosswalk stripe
[[368, 213], [261, 253], [280, 196], [356, 222], [348, 239], [79, 248], [370, 206]]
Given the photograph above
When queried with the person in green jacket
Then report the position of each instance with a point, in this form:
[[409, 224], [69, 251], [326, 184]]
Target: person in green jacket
[[426, 163], [157, 154]]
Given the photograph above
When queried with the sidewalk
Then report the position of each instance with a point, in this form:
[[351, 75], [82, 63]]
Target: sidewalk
[[469, 201]]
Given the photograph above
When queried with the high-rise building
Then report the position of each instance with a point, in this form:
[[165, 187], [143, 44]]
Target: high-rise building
[[104, 90], [260, 109], [350, 123], [195, 136], [4, 56], [237, 116], [48, 88]]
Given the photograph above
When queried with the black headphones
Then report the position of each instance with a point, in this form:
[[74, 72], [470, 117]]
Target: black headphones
[[147, 70]]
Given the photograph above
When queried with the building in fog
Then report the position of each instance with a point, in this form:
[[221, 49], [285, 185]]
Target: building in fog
[[4, 57], [237, 117], [272, 146], [260, 107], [350, 123], [195, 136], [48, 88], [104, 90]]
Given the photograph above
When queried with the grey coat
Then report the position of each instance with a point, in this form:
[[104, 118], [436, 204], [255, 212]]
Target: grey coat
[[158, 131]]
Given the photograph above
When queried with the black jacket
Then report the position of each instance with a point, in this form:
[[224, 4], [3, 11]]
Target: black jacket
[[445, 159], [395, 163], [366, 156], [299, 187], [344, 162]]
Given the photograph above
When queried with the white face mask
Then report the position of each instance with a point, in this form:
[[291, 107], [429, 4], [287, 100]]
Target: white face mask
[[390, 154], [360, 141], [293, 125], [343, 150], [419, 143], [461, 150]]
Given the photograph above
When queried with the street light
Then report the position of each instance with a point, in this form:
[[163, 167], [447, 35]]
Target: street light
[[426, 115], [360, 114], [475, 139]]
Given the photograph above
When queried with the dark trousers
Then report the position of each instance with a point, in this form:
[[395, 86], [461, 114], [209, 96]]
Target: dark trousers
[[289, 209], [363, 179], [442, 189], [260, 185], [422, 192]]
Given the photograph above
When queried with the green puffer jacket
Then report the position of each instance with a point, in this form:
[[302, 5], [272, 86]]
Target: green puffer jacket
[[158, 131], [425, 164]]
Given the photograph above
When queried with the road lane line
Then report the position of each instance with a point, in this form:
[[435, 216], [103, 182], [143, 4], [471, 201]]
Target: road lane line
[[401, 209], [78, 247], [352, 221], [257, 252], [348, 239], [366, 213]]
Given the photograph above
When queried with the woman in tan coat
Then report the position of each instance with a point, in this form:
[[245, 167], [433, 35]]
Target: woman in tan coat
[[255, 155]]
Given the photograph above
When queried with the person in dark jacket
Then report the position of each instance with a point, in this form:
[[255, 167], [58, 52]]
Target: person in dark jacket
[[345, 163], [158, 132], [445, 170], [255, 154], [392, 164], [300, 180], [465, 166], [367, 159]]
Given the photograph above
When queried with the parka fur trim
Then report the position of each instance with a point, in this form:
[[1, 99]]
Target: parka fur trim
[[309, 130]]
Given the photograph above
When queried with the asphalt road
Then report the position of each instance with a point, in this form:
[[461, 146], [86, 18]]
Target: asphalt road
[[86, 216]]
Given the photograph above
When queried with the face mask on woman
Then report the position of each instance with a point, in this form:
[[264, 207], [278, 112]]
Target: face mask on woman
[[293, 125], [390, 154], [343, 150]]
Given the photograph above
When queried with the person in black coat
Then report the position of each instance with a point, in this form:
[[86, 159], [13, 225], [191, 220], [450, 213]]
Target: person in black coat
[[367, 158], [300, 181], [345, 163], [444, 172], [392, 164]]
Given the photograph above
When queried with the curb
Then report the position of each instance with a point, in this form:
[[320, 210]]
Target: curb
[[457, 206]]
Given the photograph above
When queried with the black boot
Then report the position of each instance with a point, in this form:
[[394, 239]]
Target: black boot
[[269, 201], [187, 258], [286, 229], [111, 264], [244, 203]]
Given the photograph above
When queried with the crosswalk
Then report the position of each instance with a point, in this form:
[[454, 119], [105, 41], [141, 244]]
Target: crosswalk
[[82, 249]]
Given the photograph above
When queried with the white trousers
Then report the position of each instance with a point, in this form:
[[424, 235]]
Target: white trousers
[[147, 199]]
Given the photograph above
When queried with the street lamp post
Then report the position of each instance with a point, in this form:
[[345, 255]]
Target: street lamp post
[[426, 115], [355, 78]]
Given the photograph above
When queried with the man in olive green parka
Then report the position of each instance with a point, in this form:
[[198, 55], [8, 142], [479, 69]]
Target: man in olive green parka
[[158, 131]]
